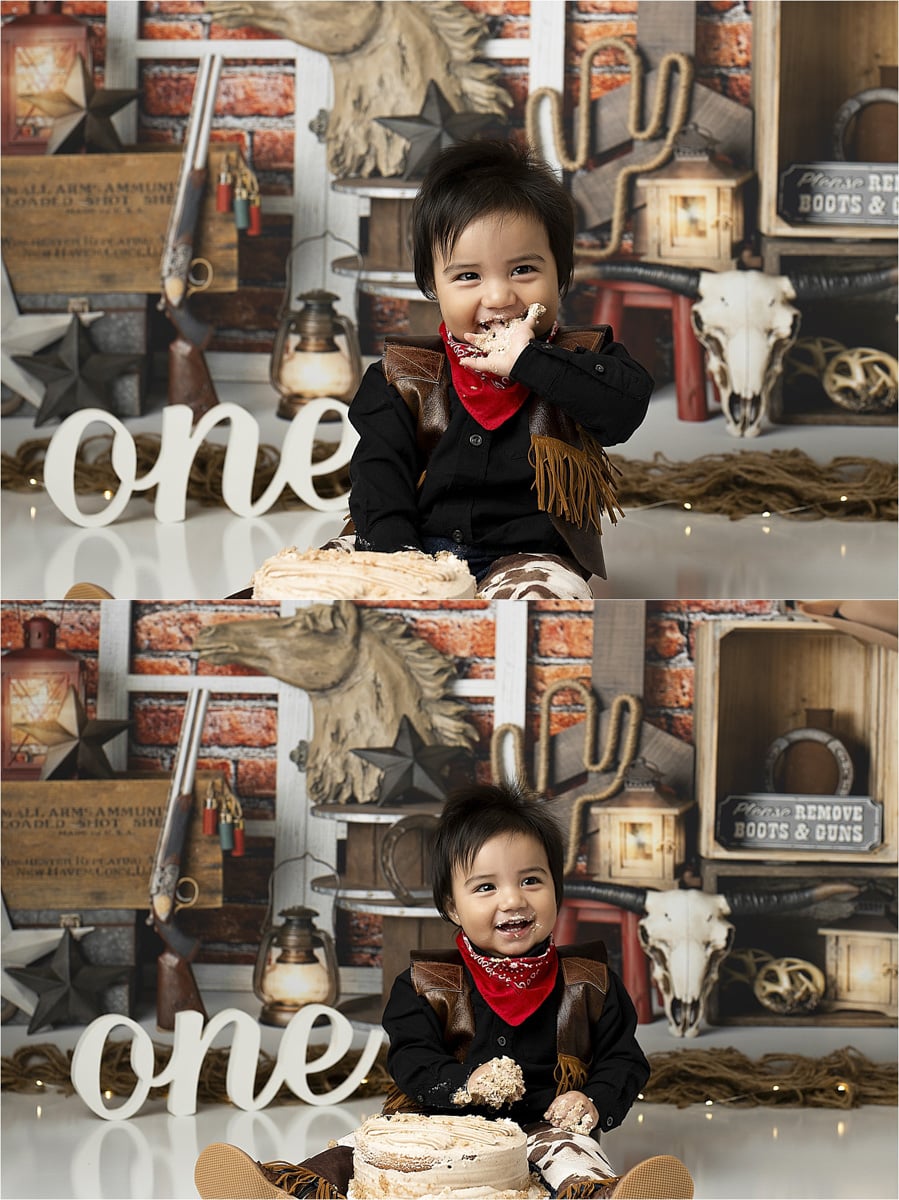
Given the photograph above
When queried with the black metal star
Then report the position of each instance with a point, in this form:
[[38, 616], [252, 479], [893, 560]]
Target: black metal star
[[82, 113], [435, 128], [68, 987], [409, 765], [76, 374], [74, 741]]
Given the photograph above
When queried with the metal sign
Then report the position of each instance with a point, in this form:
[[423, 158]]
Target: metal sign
[[770, 821], [839, 193]]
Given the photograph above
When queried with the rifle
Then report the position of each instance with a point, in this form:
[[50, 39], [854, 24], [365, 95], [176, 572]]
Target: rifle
[[176, 988], [189, 379]]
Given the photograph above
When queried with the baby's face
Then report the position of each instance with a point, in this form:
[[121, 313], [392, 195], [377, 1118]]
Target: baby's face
[[500, 265], [505, 901]]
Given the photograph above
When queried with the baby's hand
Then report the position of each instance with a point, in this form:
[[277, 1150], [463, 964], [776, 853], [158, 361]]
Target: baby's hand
[[503, 343], [573, 1111]]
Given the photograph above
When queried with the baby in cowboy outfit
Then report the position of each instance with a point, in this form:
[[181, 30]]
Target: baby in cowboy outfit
[[495, 451], [566, 1039]]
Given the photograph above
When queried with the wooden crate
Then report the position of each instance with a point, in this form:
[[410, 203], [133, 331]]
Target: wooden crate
[[89, 843], [808, 58], [77, 224], [866, 320], [754, 681], [789, 934]]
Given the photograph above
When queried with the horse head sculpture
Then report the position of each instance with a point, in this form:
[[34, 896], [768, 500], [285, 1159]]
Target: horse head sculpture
[[382, 56], [363, 672]]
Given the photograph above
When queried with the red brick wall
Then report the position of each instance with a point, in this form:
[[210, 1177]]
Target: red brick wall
[[241, 729], [255, 109]]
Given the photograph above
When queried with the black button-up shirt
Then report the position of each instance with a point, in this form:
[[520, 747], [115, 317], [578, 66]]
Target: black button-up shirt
[[425, 1071], [478, 486]]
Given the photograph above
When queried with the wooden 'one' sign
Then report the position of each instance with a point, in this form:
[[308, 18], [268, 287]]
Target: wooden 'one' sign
[[97, 223], [91, 842]]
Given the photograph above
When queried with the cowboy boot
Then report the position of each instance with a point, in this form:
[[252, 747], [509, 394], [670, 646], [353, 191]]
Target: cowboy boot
[[224, 1172], [659, 1178]]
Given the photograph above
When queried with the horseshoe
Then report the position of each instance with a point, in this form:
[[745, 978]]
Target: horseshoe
[[423, 821], [852, 106]]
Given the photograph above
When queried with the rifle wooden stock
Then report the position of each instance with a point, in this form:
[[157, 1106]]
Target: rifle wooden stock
[[176, 990], [189, 379]]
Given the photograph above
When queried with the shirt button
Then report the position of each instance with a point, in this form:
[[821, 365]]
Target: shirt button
[[476, 439], [599, 368], [610, 1121], [500, 1041], [458, 537]]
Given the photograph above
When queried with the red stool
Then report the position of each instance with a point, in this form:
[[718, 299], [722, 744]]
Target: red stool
[[613, 296], [635, 971]]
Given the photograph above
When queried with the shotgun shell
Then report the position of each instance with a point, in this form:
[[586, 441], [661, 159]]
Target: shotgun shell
[[255, 226], [224, 193], [210, 816], [239, 840], [241, 208], [226, 832]]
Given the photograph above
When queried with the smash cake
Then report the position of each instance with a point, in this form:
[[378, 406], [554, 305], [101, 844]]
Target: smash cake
[[414, 1157], [339, 574]]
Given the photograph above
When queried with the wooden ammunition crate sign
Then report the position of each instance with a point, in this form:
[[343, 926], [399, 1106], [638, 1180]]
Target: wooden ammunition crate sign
[[97, 223], [90, 843]]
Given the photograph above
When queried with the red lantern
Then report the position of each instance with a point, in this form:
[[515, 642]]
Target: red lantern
[[35, 681], [38, 51]]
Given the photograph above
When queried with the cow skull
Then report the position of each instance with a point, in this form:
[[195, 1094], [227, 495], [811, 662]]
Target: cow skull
[[686, 934], [746, 323]]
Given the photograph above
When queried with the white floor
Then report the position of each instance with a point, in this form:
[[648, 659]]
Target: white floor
[[653, 553], [53, 1146]]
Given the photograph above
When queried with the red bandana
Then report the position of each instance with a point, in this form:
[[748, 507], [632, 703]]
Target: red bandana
[[491, 400], [513, 987]]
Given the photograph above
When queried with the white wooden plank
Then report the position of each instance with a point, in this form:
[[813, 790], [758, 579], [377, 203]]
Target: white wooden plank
[[547, 66], [122, 25], [112, 674]]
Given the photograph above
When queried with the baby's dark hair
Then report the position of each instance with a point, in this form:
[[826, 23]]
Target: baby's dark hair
[[473, 815], [478, 179]]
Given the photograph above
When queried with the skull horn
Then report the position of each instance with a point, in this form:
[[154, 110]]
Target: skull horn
[[813, 285], [745, 904], [631, 898], [663, 275]]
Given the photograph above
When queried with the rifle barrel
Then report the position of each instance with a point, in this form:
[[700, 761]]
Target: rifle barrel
[[202, 147]]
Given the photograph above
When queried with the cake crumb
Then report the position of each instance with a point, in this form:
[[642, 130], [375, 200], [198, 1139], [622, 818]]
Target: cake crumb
[[502, 1083]]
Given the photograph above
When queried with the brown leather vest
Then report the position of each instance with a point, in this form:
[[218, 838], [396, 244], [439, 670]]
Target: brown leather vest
[[440, 978], [419, 370]]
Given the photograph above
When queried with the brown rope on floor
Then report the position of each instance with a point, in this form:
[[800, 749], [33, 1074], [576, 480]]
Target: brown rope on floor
[[741, 484], [750, 482], [842, 1079]]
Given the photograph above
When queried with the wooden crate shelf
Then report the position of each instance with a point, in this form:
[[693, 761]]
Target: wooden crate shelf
[[754, 681], [867, 320], [809, 58], [790, 934]]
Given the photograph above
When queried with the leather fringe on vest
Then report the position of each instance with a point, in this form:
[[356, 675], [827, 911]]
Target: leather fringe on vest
[[576, 483]]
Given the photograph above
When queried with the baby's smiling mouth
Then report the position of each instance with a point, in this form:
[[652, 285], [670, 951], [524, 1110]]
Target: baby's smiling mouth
[[516, 926]]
